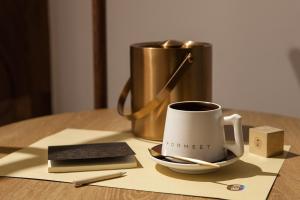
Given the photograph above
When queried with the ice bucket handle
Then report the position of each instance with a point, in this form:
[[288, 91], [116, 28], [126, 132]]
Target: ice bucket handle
[[159, 98]]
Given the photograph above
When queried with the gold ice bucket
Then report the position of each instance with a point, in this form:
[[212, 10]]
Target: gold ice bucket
[[161, 73]]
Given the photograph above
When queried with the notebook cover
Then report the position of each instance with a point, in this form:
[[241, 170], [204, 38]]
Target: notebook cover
[[89, 151]]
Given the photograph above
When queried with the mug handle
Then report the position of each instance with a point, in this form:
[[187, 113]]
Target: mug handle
[[238, 147]]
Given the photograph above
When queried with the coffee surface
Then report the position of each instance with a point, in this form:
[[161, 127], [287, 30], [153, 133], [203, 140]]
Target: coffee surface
[[194, 106]]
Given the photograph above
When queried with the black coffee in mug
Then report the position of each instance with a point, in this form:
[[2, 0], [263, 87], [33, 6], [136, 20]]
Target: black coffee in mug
[[194, 106]]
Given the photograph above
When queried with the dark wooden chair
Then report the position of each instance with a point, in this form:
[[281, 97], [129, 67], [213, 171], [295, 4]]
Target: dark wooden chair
[[25, 82]]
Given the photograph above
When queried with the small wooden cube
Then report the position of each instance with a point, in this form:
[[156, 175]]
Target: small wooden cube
[[266, 141]]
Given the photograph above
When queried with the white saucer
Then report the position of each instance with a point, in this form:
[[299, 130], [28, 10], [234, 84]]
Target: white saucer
[[192, 168]]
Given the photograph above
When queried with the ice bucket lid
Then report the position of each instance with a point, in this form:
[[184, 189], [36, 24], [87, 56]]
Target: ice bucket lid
[[169, 44]]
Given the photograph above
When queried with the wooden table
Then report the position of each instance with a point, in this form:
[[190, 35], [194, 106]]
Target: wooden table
[[24, 133]]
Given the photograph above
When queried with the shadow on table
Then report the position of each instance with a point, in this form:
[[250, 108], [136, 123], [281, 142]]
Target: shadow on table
[[113, 138], [286, 155], [229, 134], [8, 150], [240, 169], [36, 156], [33, 157]]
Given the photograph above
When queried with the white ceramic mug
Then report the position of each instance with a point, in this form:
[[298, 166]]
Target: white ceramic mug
[[195, 129]]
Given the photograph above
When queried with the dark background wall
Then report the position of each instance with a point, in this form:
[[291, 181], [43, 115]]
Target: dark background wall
[[24, 60]]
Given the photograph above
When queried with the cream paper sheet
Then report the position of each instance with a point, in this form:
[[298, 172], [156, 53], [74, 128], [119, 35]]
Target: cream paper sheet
[[256, 173]]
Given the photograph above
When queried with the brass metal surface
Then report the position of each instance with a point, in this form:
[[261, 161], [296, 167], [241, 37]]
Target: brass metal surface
[[152, 66], [160, 98]]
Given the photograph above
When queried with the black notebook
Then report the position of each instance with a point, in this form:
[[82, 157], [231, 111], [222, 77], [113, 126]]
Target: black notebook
[[90, 157]]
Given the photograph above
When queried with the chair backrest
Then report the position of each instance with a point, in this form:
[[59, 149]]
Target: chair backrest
[[24, 60], [99, 49]]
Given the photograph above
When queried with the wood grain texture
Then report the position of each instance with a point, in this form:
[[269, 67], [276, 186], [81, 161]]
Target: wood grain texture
[[99, 47], [21, 134]]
